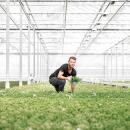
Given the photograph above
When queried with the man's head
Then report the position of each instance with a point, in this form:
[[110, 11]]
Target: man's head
[[72, 61]]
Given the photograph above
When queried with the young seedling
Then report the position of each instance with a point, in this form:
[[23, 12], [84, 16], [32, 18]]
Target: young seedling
[[75, 79]]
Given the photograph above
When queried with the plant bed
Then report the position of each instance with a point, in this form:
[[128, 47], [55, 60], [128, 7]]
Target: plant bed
[[39, 107]]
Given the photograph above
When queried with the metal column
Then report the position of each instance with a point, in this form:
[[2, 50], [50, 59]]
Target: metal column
[[47, 65], [40, 64], [111, 66], [116, 65], [29, 52], [122, 61], [7, 84], [104, 58], [20, 48], [34, 53], [106, 67], [37, 62]]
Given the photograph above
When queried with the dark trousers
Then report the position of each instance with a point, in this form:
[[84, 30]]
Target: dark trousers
[[57, 83]]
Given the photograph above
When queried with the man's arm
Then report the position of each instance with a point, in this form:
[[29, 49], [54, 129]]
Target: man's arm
[[60, 76], [72, 87]]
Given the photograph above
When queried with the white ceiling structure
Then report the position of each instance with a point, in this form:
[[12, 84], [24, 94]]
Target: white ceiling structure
[[72, 26]]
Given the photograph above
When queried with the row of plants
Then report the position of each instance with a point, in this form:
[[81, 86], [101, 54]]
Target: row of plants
[[39, 107]]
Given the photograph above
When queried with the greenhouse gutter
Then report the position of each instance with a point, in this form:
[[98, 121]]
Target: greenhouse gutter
[[67, 29], [16, 53], [64, 1], [123, 85]]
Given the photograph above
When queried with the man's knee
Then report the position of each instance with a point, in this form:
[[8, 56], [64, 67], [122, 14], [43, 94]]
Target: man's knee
[[62, 82], [56, 81], [52, 81]]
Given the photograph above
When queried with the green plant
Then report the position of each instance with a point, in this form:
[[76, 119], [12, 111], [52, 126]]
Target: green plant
[[75, 79], [39, 107]]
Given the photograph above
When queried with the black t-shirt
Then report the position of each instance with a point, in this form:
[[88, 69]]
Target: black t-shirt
[[64, 68]]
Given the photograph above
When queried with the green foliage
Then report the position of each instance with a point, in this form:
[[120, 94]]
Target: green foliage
[[12, 84], [75, 79], [39, 107]]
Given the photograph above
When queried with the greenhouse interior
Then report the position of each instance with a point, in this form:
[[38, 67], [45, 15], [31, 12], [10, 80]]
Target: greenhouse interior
[[37, 37]]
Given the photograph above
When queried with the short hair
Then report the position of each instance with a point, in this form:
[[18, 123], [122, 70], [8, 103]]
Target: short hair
[[72, 57]]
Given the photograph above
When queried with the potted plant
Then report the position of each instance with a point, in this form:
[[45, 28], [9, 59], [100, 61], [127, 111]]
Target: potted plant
[[74, 80]]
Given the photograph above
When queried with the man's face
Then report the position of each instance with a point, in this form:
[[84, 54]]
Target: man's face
[[72, 63]]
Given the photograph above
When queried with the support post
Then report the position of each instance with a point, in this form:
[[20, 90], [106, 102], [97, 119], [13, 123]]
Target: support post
[[29, 52], [34, 53], [104, 58], [116, 65], [111, 64], [7, 84], [47, 64], [122, 61], [20, 48], [37, 62]]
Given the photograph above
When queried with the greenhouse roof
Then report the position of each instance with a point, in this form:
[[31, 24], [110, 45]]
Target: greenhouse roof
[[71, 26]]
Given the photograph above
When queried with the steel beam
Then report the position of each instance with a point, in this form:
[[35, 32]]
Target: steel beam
[[123, 62], [29, 53], [34, 53], [116, 64], [111, 65], [90, 43], [7, 84], [40, 68], [64, 24], [117, 43], [5, 10], [47, 64], [61, 1], [20, 48], [37, 62], [68, 29], [100, 9], [82, 54], [104, 67], [58, 13], [28, 17]]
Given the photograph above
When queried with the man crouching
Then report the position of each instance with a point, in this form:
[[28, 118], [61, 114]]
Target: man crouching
[[59, 77]]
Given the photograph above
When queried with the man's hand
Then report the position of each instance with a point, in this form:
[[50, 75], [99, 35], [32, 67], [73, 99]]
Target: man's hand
[[60, 76], [69, 78]]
